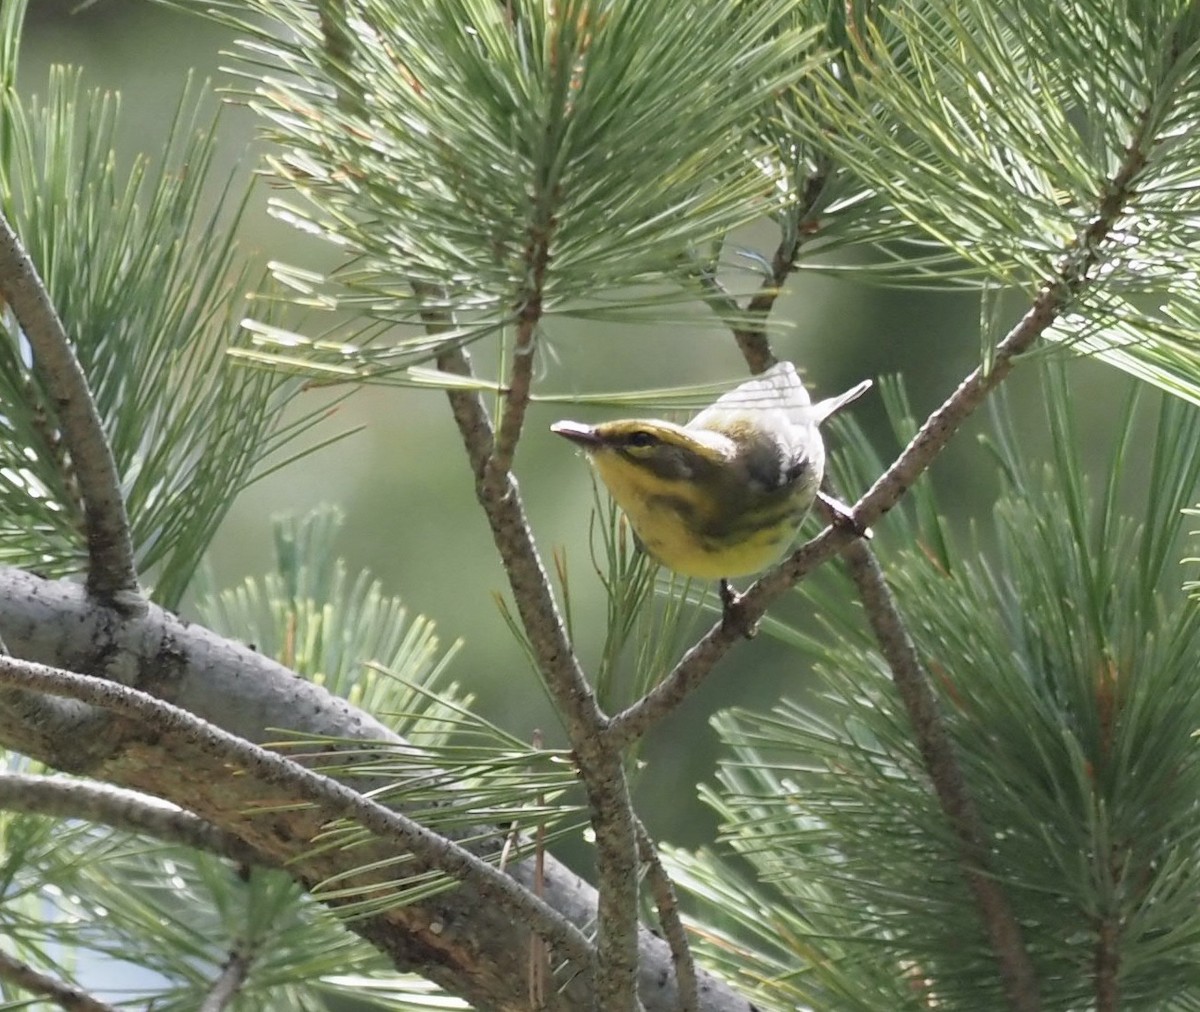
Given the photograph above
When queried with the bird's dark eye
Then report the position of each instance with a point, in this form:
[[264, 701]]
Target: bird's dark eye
[[641, 438]]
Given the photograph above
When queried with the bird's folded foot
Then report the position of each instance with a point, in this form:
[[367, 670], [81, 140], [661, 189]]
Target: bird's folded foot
[[733, 615], [842, 516]]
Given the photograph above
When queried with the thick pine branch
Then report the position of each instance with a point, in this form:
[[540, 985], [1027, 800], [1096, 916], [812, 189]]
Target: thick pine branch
[[244, 692], [314, 788]]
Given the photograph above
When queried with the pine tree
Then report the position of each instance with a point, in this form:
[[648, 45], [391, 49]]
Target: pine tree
[[282, 802]]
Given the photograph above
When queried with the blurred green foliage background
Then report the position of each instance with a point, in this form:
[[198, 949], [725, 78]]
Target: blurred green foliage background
[[403, 481]]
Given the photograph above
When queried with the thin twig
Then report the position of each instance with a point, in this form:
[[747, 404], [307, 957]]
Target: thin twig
[[600, 765], [228, 985], [941, 761], [520, 381], [1075, 273], [65, 995], [320, 790], [1107, 963], [751, 338], [112, 574], [512, 419], [337, 45], [667, 904], [921, 451], [126, 810], [949, 785], [1019, 981], [749, 325]]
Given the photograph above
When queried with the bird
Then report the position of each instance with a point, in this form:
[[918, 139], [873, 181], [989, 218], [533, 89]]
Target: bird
[[723, 495]]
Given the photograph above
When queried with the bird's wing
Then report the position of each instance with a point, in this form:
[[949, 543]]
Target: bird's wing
[[777, 389]]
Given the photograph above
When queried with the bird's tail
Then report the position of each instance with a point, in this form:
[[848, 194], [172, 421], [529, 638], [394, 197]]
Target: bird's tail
[[831, 405]]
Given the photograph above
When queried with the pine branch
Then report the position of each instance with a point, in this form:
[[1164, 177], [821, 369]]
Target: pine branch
[[1077, 270], [516, 397], [65, 995], [749, 325], [933, 740], [315, 788], [600, 764], [601, 769], [78, 735], [338, 49], [667, 904], [928, 725], [945, 772], [125, 810], [229, 983], [246, 693], [112, 576], [512, 419], [490, 453]]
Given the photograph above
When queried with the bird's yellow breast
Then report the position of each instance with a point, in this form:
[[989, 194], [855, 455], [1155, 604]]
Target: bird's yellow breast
[[723, 495], [688, 531]]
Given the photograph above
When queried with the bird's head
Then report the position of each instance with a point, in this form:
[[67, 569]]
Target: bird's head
[[623, 450]]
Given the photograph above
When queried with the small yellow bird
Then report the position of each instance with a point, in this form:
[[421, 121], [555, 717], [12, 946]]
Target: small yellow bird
[[723, 495]]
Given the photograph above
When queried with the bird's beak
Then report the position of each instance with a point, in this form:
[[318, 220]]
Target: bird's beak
[[582, 435]]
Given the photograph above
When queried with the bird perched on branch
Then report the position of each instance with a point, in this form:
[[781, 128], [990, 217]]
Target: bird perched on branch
[[723, 495]]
